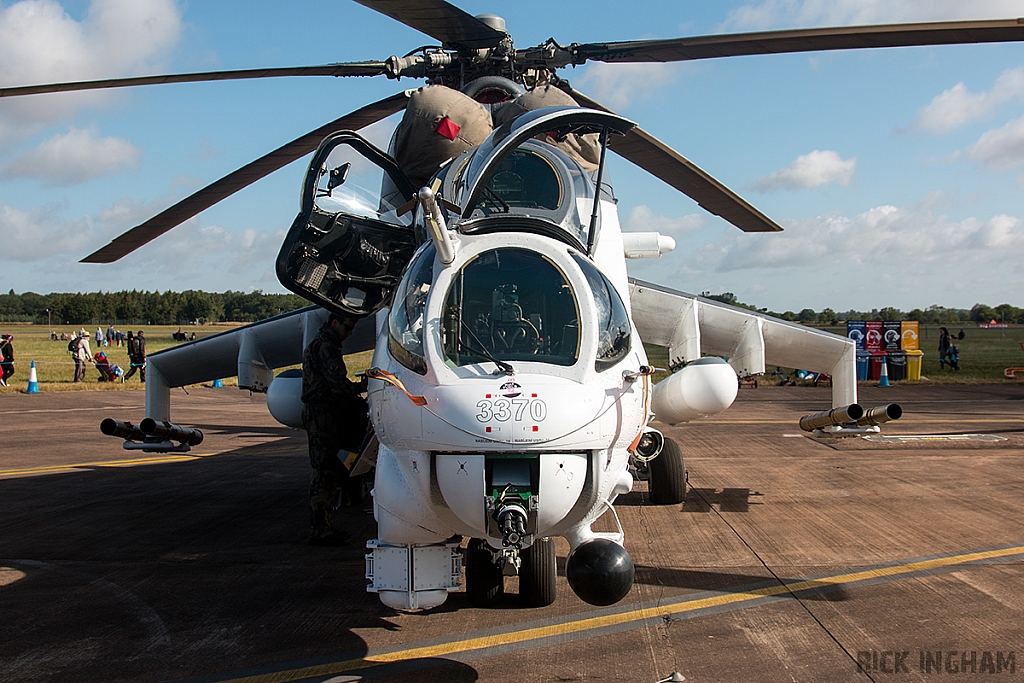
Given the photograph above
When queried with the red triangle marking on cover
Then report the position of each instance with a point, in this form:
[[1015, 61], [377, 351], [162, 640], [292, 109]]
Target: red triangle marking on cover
[[448, 128]]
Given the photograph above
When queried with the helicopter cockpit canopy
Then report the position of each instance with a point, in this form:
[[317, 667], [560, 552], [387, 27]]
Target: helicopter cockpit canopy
[[348, 246], [530, 185]]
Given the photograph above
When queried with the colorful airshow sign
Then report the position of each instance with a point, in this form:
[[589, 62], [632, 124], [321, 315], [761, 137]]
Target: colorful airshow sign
[[875, 335], [855, 330]]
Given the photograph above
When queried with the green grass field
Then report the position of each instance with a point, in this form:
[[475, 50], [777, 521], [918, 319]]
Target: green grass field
[[55, 371], [984, 354]]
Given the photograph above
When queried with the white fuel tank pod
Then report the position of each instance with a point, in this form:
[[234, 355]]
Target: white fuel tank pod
[[706, 386], [284, 398]]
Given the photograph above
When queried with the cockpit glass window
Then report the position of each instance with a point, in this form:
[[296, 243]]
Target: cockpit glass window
[[348, 247], [347, 183], [408, 312], [525, 179], [510, 305], [536, 186], [613, 328]]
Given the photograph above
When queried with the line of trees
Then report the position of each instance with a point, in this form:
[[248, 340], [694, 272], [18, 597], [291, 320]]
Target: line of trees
[[153, 308], [179, 308], [937, 315]]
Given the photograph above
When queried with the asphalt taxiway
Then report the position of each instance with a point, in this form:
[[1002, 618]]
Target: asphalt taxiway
[[791, 558]]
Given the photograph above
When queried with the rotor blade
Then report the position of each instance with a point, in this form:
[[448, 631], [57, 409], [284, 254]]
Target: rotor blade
[[350, 69], [241, 178], [802, 40], [654, 156], [441, 20]]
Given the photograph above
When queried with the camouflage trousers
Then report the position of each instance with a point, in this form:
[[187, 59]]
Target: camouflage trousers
[[329, 484], [328, 478]]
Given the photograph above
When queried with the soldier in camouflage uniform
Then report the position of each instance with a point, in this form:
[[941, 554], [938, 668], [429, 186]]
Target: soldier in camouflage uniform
[[334, 416]]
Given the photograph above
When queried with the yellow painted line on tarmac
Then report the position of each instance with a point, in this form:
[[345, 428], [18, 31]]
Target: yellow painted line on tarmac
[[128, 462], [904, 421], [593, 623]]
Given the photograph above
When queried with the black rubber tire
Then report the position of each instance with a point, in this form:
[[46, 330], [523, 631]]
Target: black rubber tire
[[485, 583], [667, 482], [537, 573]]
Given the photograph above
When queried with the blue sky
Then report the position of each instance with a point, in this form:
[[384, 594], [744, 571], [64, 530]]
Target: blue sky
[[898, 173]]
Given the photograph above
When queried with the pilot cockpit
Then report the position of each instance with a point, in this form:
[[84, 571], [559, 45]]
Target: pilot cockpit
[[536, 182], [518, 176], [350, 243], [507, 305]]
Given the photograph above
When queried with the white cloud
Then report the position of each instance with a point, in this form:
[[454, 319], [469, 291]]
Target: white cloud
[[44, 232], [41, 43], [616, 86], [41, 249], [74, 157], [904, 256], [884, 238], [1001, 148], [957, 106], [817, 168], [30, 236], [797, 13], [643, 219]]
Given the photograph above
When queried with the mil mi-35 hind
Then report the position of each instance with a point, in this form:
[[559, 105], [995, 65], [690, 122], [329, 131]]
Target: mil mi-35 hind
[[511, 395]]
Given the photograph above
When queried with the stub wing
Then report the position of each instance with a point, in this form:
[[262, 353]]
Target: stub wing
[[690, 326], [251, 353]]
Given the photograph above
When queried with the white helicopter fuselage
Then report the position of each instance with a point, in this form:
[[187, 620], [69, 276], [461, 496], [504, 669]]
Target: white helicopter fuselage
[[577, 423], [541, 408]]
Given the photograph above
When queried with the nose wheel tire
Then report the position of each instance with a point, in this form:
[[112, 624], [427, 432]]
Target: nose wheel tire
[[667, 482], [485, 583], [537, 573]]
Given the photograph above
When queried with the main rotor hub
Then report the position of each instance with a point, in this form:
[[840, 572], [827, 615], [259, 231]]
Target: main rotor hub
[[494, 21]]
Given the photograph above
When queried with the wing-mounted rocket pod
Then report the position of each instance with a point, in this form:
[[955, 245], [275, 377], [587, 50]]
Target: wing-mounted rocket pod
[[153, 436], [851, 420]]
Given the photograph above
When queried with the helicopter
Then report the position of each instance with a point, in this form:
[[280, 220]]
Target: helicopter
[[510, 392]]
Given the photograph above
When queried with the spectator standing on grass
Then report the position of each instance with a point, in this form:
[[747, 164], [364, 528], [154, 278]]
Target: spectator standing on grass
[[80, 351], [6, 357], [99, 338], [133, 356], [140, 342], [110, 335]]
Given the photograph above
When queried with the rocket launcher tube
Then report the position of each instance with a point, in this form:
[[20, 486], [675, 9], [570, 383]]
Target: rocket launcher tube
[[165, 430], [837, 416], [880, 414], [123, 430]]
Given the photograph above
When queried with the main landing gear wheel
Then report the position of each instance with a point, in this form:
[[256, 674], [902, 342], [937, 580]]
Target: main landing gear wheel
[[485, 583], [537, 573], [667, 482]]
